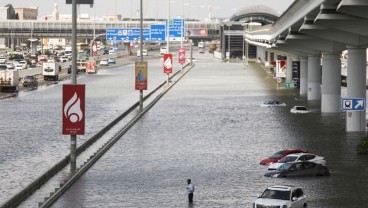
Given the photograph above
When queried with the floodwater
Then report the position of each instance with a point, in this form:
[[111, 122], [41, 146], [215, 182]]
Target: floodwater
[[30, 124], [210, 128]]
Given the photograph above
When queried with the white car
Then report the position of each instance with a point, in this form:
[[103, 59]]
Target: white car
[[64, 59], [104, 62], [24, 63], [10, 65], [299, 109], [163, 50], [193, 60], [19, 67], [2, 60], [298, 157], [282, 197], [271, 103], [111, 51]]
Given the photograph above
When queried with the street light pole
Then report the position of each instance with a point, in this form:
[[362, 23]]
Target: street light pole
[[141, 50], [73, 138], [168, 37]]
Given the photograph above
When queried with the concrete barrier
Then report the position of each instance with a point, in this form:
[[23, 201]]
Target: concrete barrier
[[30, 72]]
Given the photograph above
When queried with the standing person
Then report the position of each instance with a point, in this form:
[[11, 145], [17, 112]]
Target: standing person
[[190, 189]]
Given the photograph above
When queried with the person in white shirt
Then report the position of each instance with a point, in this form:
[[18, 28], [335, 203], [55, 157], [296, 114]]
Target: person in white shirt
[[190, 189]]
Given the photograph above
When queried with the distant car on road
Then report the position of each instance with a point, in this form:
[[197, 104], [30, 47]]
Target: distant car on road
[[104, 62], [64, 59], [163, 50], [10, 65], [111, 60], [281, 154], [19, 67], [201, 50], [30, 81], [24, 63], [3, 67], [281, 197], [272, 103], [298, 157], [300, 168], [299, 109]]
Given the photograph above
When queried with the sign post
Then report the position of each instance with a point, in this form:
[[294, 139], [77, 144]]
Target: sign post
[[182, 57], [167, 65]]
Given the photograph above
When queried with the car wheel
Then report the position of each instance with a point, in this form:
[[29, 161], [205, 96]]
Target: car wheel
[[305, 205]]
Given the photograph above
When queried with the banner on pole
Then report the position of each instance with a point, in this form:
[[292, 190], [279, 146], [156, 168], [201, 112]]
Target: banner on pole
[[141, 73], [73, 109]]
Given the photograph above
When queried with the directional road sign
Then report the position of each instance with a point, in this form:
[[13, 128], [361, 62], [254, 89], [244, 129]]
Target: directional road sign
[[158, 32], [353, 104], [176, 29], [127, 34]]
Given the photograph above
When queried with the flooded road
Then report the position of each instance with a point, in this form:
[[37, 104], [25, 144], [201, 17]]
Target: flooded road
[[30, 124], [210, 128]]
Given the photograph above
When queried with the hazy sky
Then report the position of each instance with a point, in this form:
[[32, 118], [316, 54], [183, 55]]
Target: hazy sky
[[152, 8]]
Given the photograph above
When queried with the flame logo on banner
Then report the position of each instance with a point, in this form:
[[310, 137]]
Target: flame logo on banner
[[72, 109], [167, 63]]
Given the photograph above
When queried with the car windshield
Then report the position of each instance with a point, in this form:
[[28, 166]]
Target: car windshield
[[277, 155], [284, 167], [301, 108], [276, 194], [288, 159]]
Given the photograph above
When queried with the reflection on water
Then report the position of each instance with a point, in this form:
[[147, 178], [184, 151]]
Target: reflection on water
[[211, 129], [30, 124]]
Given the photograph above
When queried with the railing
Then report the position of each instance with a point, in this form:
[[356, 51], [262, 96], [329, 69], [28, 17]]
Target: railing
[[63, 28]]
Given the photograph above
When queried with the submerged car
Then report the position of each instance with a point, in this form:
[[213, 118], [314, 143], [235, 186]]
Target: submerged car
[[296, 169], [271, 103], [279, 155], [298, 157], [281, 197], [299, 109]]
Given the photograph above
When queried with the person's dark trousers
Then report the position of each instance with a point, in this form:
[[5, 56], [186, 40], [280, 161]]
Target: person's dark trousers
[[190, 197]]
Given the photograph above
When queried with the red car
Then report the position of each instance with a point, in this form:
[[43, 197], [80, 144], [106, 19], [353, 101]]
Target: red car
[[280, 154]]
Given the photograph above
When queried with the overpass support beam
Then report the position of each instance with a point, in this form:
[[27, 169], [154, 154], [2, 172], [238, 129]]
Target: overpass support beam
[[356, 87], [314, 77], [303, 76], [331, 83], [289, 69]]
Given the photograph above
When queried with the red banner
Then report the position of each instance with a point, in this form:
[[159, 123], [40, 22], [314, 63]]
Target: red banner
[[94, 48], [181, 55], [167, 63], [73, 109]]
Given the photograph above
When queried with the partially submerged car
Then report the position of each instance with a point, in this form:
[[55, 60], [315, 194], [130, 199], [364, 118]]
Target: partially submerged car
[[296, 169], [281, 197], [279, 155], [298, 157], [299, 109], [272, 103]]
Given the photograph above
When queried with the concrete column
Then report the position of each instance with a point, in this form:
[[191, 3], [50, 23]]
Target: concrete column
[[314, 77], [303, 76], [331, 83], [356, 87], [289, 69]]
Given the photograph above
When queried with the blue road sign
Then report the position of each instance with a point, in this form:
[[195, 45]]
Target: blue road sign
[[158, 32], [127, 34], [353, 104], [176, 29]]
